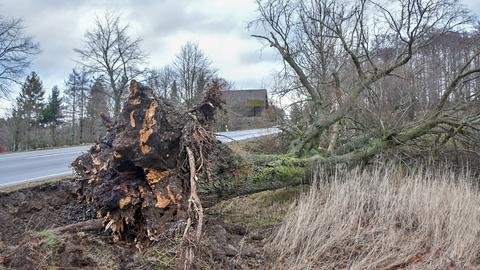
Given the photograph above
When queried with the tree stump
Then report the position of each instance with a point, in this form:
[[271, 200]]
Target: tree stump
[[139, 176]]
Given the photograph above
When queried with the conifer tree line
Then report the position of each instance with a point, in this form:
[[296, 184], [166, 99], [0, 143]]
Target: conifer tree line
[[38, 120], [107, 59]]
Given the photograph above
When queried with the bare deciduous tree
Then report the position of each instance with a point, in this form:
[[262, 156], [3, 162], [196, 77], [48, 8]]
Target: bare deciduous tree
[[193, 70], [109, 50], [161, 80], [340, 53], [16, 49]]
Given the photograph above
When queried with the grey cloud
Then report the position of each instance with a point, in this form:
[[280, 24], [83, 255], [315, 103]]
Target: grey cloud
[[166, 17], [257, 56], [59, 26], [474, 5]]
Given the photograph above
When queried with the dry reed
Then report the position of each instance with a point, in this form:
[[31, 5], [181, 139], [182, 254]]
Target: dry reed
[[382, 219]]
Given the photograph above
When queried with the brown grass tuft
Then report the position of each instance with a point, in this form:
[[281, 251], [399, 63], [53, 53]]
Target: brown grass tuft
[[383, 219]]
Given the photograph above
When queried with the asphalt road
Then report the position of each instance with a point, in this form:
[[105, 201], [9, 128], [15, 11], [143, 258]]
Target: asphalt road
[[31, 166]]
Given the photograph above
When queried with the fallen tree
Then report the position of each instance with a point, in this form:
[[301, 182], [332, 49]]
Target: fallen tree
[[234, 176], [362, 86], [142, 176]]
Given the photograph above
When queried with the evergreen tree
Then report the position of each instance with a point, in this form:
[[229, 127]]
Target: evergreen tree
[[52, 114], [19, 127], [76, 95], [30, 106]]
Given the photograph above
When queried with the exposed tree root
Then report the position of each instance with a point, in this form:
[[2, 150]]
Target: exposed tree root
[[191, 239], [142, 176]]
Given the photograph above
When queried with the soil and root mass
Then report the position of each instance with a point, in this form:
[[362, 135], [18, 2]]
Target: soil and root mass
[[159, 191], [142, 176]]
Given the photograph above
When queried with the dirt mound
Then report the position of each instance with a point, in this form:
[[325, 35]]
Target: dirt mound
[[234, 235], [231, 246], [47, 250]]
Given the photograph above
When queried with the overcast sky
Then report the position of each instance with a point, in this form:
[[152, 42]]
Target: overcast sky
[[219, 26]]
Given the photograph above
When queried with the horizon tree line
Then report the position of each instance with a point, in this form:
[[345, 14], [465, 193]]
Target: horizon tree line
[[110, 56], [39, 122]]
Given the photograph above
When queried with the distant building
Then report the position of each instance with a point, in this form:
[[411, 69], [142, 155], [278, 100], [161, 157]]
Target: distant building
[[245, 109], [246, 103]]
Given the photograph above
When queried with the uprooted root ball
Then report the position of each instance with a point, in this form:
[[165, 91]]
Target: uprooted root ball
[[139, 177]]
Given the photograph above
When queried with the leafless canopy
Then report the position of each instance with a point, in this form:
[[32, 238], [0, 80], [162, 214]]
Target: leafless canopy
[[193, 70], [161, 80], [16, 50], [110, 50], [339, 53]]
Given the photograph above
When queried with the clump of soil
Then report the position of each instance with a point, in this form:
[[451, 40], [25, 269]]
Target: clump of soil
[[47, 250], [142, 177], [26, 216], [230, 246]]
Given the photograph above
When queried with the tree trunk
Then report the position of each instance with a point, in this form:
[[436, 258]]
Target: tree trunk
[[117, 103], [333, 138], [237, 176], [82, 124], [54, 134], [72, 140]]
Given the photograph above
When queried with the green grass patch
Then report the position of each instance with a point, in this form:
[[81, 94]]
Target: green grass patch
[[260, 210]]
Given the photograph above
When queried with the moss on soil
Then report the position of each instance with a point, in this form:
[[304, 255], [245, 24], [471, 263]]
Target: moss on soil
[[260, 210]]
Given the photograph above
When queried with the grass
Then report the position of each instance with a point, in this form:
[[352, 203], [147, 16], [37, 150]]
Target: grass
[[383, 219], [102, 255], [49, 249], [99, 252], [19, 186], [163, 254], [269, 144], [259, 210], [51, 240]]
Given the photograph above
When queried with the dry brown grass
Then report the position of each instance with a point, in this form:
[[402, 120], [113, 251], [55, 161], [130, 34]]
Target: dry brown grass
[[15, 187], [383, 219]]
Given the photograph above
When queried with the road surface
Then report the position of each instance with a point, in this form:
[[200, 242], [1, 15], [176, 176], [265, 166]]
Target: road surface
[[31, 166]]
